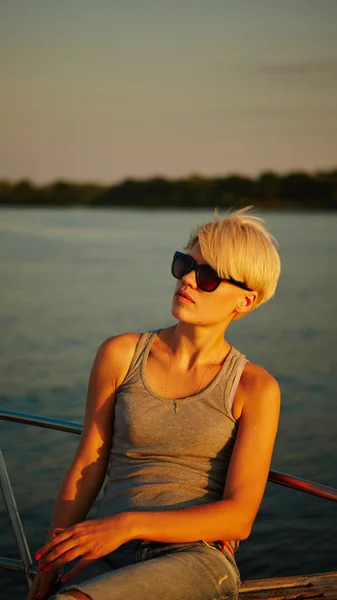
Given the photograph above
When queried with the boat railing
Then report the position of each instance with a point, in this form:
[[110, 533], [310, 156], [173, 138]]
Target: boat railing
[[25, 564]]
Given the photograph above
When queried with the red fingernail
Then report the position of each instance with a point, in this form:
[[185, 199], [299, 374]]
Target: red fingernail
[[46, 569], [38, 556], [40, 567], [63, 579], [38, 595]]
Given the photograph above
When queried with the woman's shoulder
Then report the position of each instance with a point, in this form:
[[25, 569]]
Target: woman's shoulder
[[256, 386], [122, 342], [256, 389], [257, 382], [254, 373], [116, 352]]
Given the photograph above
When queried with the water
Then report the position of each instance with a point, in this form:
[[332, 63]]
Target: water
[[69, 279]]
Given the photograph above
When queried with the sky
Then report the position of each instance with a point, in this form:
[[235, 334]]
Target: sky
[[101, 90]]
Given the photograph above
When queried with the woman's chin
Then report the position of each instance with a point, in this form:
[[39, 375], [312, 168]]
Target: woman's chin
[[181, 313]]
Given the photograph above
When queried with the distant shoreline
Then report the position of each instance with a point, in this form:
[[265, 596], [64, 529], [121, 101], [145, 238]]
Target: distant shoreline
[[269, 191]]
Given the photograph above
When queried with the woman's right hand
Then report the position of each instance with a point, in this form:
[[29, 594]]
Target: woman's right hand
[[44, 580], [42, 585]]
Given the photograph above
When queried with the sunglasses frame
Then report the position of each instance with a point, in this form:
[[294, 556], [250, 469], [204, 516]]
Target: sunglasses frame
[[197, 268]]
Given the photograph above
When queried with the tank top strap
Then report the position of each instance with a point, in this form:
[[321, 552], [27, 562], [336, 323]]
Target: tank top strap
[[240, 365], [232, 377], [140, 349]]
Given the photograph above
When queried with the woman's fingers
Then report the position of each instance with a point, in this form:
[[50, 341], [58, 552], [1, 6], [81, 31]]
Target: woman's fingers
[[33, 590], [45, 587], [84, 562], [42, 592], [57, 531], [58, 561], [58, 539], [41, 585]]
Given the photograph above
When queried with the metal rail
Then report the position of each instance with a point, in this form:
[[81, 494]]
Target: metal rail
[[14, 518], [25, 564], [39, 421], [302, 485]]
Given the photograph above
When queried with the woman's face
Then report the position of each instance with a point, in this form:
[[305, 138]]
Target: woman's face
[[192, 305]]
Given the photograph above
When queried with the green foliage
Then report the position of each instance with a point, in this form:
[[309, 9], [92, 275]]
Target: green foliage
[[296, 190]]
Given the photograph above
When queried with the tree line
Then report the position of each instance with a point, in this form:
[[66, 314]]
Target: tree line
[[295, 190]]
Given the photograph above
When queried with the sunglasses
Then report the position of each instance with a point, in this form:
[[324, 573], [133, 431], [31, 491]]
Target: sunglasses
[[207, 279]]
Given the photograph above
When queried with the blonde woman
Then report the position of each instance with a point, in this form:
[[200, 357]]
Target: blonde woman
[[183, 425]]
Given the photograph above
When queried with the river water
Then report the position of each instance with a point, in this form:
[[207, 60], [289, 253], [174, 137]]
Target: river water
[[71, 278]]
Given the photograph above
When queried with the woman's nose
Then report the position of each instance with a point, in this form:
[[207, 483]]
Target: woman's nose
[[190, 279]]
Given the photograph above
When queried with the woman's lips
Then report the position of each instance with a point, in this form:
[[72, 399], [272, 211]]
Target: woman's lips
[[184, 297]]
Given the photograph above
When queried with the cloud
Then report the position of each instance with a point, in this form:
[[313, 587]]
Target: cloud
[[322, 72]]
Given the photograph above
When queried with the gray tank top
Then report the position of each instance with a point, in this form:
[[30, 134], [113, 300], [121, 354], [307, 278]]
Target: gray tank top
[[161, 459]]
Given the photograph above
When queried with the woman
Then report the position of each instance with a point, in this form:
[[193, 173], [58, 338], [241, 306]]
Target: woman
[[185, 426]]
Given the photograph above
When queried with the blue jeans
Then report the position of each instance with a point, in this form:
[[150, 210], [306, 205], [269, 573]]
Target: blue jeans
[[142, 570]]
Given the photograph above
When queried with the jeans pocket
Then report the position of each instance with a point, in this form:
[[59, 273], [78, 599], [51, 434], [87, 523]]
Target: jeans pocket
[[234, 574]]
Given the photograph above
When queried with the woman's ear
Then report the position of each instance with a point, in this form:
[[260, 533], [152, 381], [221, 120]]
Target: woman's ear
[[246, 304]]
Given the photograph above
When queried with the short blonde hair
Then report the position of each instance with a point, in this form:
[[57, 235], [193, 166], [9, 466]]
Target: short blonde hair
[[239, 246]]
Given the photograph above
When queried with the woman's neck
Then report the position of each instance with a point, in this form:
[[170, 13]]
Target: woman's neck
[[193, 345]]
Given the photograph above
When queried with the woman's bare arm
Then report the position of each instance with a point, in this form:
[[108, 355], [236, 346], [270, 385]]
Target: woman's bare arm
[[87, 472]]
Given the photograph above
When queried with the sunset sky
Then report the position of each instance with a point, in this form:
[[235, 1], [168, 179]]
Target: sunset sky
[[99, 90]]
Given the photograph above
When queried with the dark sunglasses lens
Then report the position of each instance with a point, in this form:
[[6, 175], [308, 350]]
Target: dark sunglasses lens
[[207, 279], [180, 266]]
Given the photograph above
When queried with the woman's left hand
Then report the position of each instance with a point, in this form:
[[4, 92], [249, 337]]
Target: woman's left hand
[[85, 541]]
